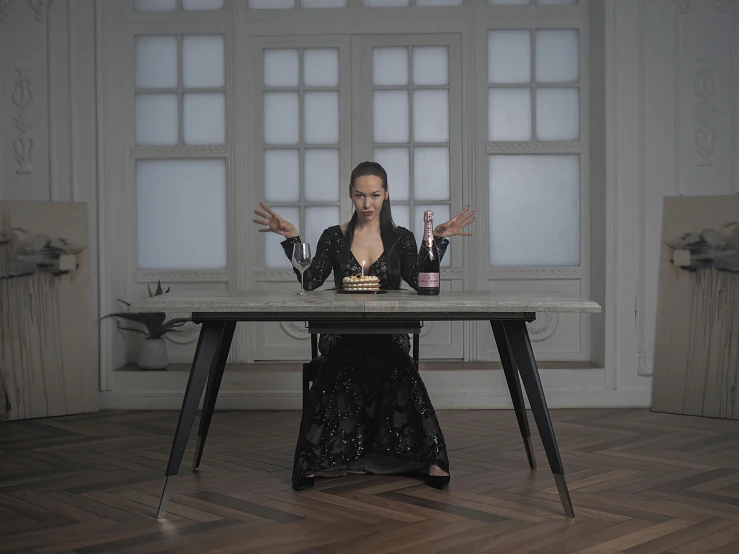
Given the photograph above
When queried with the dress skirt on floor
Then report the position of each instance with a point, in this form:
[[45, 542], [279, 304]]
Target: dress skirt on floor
[[368, 412]]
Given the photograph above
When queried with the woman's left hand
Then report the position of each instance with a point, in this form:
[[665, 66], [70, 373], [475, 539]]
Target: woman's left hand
[[455, 225]]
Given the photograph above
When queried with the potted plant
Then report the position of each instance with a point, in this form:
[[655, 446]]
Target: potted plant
[[153, 348]]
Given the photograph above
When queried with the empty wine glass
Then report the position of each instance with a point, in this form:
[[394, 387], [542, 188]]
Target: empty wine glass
[[301, 261]]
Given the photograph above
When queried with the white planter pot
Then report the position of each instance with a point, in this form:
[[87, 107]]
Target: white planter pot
[[153, 354]]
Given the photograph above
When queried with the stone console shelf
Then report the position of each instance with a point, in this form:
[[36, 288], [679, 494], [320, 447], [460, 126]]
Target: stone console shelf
[[396, 311]]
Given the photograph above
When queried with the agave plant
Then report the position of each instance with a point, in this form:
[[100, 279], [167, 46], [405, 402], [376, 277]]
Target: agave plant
[[156, 323]]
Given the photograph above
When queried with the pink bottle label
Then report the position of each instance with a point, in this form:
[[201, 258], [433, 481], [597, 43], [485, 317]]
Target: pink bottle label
[[428, 280]]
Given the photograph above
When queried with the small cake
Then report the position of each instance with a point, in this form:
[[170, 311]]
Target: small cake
[[366, 283]]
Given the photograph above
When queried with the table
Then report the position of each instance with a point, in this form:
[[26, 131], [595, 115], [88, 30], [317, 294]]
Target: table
[[363, 313]]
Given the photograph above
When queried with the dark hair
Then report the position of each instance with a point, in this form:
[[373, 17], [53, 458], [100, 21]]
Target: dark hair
[[387, 226]]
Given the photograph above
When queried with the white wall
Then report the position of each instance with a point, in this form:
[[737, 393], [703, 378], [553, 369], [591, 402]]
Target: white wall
[[56, 49], [650, 49]]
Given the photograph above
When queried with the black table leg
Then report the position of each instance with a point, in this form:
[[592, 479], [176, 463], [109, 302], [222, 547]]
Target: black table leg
[[514, 387], [206, 352], [523, 357], [211, 392]]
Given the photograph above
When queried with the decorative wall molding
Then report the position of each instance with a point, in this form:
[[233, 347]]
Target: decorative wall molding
[[23, 142], [40, 9], [183, 151], [543, 327], [536, 272], [6, 6], [685, 6], [704, 88], [724, 6], [268, 274], [182, 276], [295, 330], [643, 368], [495, 147]]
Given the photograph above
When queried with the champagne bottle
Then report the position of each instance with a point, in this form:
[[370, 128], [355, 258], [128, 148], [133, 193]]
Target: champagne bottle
[[428, 258]]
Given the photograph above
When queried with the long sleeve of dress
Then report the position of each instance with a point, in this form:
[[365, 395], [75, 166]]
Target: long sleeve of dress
[[409, 257], [322, 264]]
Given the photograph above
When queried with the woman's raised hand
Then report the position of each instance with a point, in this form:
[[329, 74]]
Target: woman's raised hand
[[455, 225], [273, 223]]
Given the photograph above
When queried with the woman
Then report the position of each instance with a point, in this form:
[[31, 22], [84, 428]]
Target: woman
[[368, 410]]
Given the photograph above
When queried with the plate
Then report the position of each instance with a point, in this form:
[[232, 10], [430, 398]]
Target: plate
[[381, 291]]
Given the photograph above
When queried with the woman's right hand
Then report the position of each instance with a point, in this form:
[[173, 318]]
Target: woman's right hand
[[273, 223]]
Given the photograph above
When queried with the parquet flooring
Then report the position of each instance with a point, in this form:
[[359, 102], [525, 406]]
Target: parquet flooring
[[640, 482]]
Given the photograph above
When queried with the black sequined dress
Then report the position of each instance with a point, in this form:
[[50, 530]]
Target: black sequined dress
[[368, 410]]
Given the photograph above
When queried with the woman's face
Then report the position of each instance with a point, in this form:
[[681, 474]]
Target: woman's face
[[367, 195]]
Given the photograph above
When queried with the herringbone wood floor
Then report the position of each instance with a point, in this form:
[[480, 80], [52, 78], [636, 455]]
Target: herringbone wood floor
[[640, 482]]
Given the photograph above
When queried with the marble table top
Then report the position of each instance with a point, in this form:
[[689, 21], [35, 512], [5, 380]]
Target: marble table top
[[396, 303]]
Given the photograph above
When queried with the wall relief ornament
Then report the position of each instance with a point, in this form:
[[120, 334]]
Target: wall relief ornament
[[543, 327], [40, 8], [704, 87], [685, 6], [23, 143], [6, 6], [295, 330]]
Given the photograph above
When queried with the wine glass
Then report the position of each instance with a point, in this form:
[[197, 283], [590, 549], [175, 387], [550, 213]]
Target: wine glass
[[301, 261]]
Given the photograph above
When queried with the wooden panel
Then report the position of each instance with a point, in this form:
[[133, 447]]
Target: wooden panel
[[48, 354], [90, 483], [696, 363]]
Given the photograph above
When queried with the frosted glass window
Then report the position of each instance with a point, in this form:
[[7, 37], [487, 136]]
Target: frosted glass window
[[156, 119], [204, 118], [281, 118], [431, 173], [321, 170], [154, 5], [181, 214], [547, 2], [389, 66], [321, 67], [202, 4], [509, 114], [397, 166], [557, 56], [386, 3], [321, 117], [323, 3], [431, 115], [274, 254], [441, 215], [271, 4], [203, 63], [156, 61], [430, 65], [558, 114], [508, 2], [401, 214], [281, 175], [543, 192], [509, 57], [439, 2], [390, 112], [317, 219], [281, 68]]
